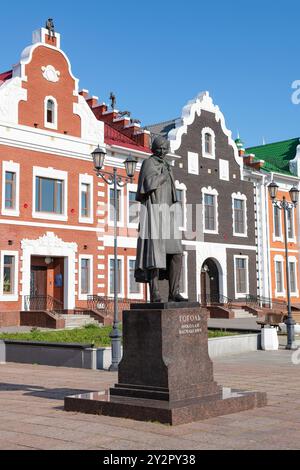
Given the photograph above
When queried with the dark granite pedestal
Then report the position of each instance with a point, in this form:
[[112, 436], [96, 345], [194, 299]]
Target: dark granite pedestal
[[165, 374]]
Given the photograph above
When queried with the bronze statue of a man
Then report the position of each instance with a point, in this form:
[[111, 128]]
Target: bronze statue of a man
[[159, 247]]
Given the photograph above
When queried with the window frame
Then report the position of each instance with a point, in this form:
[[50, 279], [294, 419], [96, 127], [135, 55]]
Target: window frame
[[293, 238], [50, 125], [241, 295], [84, 296], [59, 175], [122, 287], [293, 260], [120, 223], [182, 187], [279, 259], [88, 180], [279, 237], [131, 188], [11, 167], [133, 295], [184, 273], [210, 192], [12, 297], [240, 197], [204, 132]]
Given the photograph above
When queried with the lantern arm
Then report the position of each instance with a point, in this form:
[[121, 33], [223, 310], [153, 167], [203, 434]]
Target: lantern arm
[[109, 178], [283, 204]]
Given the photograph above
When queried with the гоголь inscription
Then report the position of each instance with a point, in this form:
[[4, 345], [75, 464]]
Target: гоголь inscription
[[190, 324]]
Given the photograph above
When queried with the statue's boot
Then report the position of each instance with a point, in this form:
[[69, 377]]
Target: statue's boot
[[175, 268], [155, 296]]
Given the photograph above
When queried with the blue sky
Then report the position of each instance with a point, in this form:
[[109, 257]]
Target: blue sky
[[156, 55]]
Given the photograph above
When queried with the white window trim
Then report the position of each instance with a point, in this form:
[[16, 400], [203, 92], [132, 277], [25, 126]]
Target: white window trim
[[50, 125], [10, 166], [185, 273], [9, 297], [293, 259], [212, 192], [244, 294], [182, 187], [130, 295], [122, 290], [121, 222], [279, 258], [91, 277], [241, 197], [208, 130], [86, 179], [53, 174], [131, 187], [293, 239], [277, 239]]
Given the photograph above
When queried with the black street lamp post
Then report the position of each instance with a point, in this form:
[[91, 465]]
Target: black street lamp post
[[286, 206], [115, 180]]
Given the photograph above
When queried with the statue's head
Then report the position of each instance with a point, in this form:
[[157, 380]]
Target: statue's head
[[160, 146]]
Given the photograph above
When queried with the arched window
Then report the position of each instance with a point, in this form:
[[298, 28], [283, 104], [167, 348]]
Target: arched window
[[208, 143], [50, 111]]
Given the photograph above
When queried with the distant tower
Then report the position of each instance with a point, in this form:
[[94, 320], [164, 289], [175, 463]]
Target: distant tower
[[240, 146]]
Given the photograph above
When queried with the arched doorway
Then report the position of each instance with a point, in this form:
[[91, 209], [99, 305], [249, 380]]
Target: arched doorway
[[210, 282]]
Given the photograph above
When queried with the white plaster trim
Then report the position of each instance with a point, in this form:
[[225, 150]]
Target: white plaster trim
[[10, 166], [241, 197], [279, 259], [50, 125], [87, 179], [131, 187], [131, 295], [53, 174], [122, 288], [212, 192], [293, 239], [91, 276], [203, 102], [15, 296], [208, 130], [243, 294], [193, 163], [50, 73], [52, 246], [218, 253]]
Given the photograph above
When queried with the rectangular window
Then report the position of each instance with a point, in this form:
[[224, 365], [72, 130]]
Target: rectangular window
[[85, 200], [209, 212], [239, 216], [115, 205], [279, 276], [293, 283], [49, 195], [111, 275], [85, 275], [133, 208], [290, 224], [8, 275], [10, 190], [241, 275], [134, 287], [277, 222]]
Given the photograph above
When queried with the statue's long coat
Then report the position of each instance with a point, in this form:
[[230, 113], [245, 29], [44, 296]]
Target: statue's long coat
[[157, 194]]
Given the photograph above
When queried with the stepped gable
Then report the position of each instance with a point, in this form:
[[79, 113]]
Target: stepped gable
[[118, 130]]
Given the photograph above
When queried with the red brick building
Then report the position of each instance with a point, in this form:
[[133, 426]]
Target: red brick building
[[56, 234]]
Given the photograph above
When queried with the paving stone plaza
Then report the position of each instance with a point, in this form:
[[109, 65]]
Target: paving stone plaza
[[32, 416]]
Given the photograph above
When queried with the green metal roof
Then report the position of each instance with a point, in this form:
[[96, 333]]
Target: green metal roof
[[277, 156]]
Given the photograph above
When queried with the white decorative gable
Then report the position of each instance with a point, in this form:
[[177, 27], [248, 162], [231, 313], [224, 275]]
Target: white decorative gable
[[49, 240], [203, 102]]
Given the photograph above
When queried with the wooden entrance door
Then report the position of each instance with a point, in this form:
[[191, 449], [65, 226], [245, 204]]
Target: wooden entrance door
[[38, 288]]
